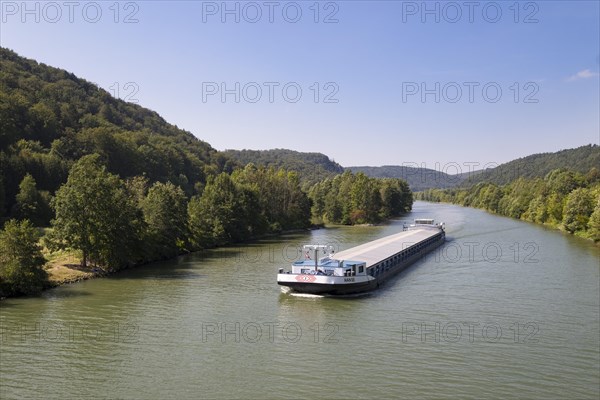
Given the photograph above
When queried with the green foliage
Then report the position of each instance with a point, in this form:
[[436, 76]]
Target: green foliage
[[311, 167], [358, 199], [417, 178], [21, 259], [281, 202], [219, 216], [250, 202], [2, 199], [165, 213], [594, 222], [96, 214], [563, 198], [49, 119], [578, 209], [581, 159], [396, 197], [31, 204]]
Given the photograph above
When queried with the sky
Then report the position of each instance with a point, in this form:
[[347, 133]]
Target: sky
[[450, 86]]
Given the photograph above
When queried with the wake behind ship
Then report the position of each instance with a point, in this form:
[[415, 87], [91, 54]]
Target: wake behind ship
[[365, 267]]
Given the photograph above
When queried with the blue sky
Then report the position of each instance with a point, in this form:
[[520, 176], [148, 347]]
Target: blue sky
[[427, 83]]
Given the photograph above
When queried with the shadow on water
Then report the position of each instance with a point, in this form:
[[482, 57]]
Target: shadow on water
[[64, 293], [278, 239], [181, 267], [154, 271], [52, 293], [187, 266]]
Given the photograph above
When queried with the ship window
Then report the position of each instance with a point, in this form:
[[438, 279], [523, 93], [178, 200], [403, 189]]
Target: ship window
[[361, 269]]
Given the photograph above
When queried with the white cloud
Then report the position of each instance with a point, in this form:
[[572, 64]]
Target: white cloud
[[585, 74]]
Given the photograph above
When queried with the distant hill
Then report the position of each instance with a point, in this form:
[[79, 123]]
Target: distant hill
[[312, 167], [418, 178], [580, 159], [49, 118]]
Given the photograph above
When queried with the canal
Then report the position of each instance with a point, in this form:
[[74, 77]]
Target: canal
[[504, 309]]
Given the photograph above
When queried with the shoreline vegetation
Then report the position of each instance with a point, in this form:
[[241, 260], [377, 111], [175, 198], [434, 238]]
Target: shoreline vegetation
[[102, 220], [63, 267], [563, 200]]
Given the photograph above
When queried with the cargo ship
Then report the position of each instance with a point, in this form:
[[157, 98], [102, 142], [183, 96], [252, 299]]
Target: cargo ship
[[362, 268]]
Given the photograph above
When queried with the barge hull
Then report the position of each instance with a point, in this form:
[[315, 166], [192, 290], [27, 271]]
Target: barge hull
[[331, 289], [370, 264]]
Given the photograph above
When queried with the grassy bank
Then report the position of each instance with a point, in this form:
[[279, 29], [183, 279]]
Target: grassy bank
[[64, 267]]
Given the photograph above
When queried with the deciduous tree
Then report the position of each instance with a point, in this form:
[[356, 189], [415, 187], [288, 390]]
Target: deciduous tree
[[95, 214], [31, 204], [165, 213], [579, 207], [21, 259]]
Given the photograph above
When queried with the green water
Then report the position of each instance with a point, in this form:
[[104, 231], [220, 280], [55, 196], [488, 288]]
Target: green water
[[505, 309]]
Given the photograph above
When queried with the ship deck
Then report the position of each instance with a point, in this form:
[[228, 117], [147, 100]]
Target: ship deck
[[380, 249]]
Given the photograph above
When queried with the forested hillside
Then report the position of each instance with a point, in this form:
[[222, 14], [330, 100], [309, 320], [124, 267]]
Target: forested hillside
[[580, 159], [418, 178], [311, 167], [49, 118], [563, 199]]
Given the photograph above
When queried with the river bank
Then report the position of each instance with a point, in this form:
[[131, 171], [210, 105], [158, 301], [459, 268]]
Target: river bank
[[64, 267], [557, 227]]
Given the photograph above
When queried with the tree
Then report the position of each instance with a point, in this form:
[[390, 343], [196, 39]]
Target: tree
[[537, 211], [31, 204], [42, 120], [21, 259], [396, 197], [281, 202], [218, 216], [95, 215], [2, 199], [594, 222], [165, 213], [358, 199], [578, 209]]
